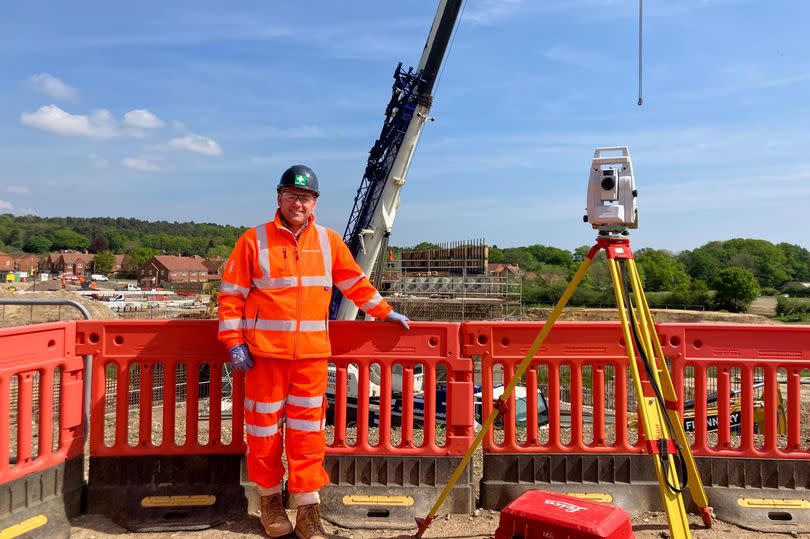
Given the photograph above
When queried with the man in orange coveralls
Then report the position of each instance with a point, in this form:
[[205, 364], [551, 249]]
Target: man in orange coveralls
[[273, 312]]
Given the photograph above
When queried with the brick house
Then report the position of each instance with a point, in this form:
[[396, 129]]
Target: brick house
[[68, 262], [215, 268], [27, 262], [172, 269], [6, 263]]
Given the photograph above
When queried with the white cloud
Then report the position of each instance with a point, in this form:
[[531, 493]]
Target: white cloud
[[53, 87], [5, 205], [18, 190], [143, 118], [97, 161], [99, 124], [490, 11], [196, 143], [142, 164]]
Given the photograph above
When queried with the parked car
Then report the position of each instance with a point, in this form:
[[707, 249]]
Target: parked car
[[98, 277]]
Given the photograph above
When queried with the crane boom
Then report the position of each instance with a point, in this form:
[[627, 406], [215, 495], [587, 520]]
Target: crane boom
[[377, 199]]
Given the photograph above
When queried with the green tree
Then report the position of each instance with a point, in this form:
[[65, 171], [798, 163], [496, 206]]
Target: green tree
[[65, 238], [221, 251], [736, 289], [104, 262], [37, 244], [660, 270], [137, 257]]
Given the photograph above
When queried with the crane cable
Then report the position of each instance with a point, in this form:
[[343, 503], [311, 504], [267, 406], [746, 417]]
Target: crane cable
[[640, 42]]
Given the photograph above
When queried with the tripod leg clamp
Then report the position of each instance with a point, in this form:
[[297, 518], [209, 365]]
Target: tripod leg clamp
[[661, 446]]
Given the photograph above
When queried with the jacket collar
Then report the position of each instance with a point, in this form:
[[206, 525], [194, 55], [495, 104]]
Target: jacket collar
[[281, 225]]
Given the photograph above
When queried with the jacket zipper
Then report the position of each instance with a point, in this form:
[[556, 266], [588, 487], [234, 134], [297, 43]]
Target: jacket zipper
[[300, 295]]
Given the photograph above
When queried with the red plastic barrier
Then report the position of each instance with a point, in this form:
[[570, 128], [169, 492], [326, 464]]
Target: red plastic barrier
[[572, 345], [432, 345], [763, 364], [125, 347], [33, 354], [706, 359]]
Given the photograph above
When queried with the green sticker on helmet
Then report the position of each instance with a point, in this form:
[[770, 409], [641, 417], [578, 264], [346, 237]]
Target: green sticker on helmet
[[300, 179]]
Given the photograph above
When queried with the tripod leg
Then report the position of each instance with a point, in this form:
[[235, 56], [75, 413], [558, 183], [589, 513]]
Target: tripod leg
[[423, 523], [656, 430], [696, 488]]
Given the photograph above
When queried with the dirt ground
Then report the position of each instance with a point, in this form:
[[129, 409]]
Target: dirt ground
[[479, 525], [12, 315], [659, 315]]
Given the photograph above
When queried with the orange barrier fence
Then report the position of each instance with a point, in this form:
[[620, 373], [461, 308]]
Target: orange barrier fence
[[169, 459], [760, 369], [41, 427], [400, 455], [152, 359], [396, 370]]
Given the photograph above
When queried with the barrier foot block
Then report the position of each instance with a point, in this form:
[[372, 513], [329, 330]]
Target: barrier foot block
[[707, 514]]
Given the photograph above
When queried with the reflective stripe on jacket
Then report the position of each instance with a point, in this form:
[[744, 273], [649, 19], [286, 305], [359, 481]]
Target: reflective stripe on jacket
[[276, 291]]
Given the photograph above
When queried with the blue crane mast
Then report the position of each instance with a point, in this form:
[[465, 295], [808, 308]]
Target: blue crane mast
[[377, 198]]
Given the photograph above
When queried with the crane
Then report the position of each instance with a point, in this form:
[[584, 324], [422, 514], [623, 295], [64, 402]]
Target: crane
[[377, 199]]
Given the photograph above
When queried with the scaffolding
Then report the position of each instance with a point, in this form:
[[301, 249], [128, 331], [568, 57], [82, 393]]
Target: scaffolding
[[450, 283]]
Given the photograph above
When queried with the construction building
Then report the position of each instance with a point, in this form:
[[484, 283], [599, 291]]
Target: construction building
[[450, 282]]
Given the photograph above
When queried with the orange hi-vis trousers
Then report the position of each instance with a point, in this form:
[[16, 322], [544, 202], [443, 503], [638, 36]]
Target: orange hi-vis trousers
[[291, 393]]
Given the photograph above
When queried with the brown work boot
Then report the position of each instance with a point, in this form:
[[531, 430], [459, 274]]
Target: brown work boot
[[274, 517], [308, 522]]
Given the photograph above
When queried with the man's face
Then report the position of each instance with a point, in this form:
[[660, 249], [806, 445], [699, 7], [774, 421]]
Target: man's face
[[296, 205]]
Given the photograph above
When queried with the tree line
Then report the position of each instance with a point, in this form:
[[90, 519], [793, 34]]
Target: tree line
[[724, 275], [118, 235], [720, 274]]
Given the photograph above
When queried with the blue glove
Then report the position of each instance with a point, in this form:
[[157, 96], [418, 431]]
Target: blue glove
[[240, 357], [396, 318]]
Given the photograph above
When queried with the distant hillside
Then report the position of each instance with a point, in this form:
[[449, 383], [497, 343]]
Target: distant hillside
[[40, 235]]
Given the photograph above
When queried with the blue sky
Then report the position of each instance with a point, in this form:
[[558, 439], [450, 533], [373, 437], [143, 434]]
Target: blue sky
[[191, 110]]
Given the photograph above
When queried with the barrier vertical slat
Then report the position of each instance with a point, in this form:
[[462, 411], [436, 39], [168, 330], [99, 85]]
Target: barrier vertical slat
[[700, 407], [531, 406], [771, 426], [24, 418], [215, 405], [620, 386], [794, 410], [192, 403], [341, 381], [429, 387], [362, 405], [407, 406], [598, 377], [486, 397], [576, 404], [46, 419], [723, 408], [122, 406], [509, 434], [145, 404], [169, 399], [385, 404], [97, 407], [747, 403], [553, 406], [238, 410], [5, 420]]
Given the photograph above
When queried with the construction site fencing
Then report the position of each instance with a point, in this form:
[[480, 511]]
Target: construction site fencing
[[41, 428], [166, 437], [744, 410]]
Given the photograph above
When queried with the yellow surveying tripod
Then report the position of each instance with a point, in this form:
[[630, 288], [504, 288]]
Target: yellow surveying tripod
[[661, 426]]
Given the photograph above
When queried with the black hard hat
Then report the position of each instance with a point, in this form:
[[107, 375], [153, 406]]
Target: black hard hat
[[299, 176]]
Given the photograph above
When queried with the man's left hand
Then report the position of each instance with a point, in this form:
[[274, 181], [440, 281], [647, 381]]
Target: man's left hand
[[396, 318]]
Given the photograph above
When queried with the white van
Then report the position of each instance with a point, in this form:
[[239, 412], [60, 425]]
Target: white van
[[98, 277]]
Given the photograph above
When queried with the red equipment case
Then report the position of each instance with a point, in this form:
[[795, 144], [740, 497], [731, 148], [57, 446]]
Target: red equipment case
[[539, 514]]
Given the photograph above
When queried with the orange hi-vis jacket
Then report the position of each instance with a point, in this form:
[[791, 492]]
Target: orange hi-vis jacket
[[276, 290]]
